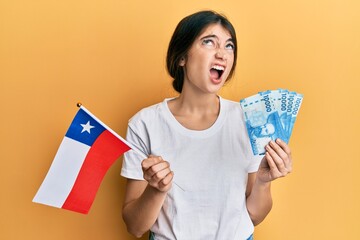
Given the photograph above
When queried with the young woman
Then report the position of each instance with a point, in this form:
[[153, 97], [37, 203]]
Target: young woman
[[201, 180]]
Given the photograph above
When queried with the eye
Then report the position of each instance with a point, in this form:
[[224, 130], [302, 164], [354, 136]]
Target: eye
[[230, 46], [208, 42]]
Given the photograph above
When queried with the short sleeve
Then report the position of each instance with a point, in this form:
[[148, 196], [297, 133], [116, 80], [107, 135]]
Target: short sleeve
[[131, 167], [254, 165]]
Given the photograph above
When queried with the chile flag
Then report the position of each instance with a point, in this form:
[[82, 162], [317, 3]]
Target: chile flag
[[85, 154]]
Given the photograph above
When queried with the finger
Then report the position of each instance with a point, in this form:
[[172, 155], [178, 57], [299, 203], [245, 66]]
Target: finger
[[156, 169], [287, 158], [161, 180], [284, 146], [274, 171], [150, 161], [273, 151], [166, 180], [160, 175], [270, 161], [278, 149], [282, 150]]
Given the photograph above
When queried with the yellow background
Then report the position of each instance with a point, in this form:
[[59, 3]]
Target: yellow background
[[110, 56]]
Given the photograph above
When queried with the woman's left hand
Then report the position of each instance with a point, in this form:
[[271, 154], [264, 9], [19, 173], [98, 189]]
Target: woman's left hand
[[276, 163]]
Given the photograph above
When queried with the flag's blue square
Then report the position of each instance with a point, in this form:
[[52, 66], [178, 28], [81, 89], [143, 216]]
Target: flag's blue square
[[84, 128]]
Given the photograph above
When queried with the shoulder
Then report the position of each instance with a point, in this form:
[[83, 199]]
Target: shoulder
[[231, 106], [233, 111], [148, 114]]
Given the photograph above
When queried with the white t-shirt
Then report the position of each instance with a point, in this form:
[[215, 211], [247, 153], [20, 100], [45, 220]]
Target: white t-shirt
[[207, 199]]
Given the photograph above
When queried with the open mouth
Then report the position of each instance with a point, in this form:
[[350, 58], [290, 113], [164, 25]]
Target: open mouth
[[217, 71]]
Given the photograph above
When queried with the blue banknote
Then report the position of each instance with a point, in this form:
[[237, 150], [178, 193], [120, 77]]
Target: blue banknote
[[270, 115], [262, 121], [293, 111], [279, 99]]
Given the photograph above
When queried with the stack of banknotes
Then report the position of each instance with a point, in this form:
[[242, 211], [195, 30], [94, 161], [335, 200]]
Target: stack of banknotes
[[270, 115]]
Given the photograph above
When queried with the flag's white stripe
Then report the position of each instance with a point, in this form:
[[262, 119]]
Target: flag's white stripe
[[134, 148], [62, 174]]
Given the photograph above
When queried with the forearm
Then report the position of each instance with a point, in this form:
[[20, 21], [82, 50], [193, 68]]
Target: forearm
[[259, 202], [140, 214]]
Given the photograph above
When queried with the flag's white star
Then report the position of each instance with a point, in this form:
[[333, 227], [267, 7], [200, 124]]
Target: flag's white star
[[86, 127]]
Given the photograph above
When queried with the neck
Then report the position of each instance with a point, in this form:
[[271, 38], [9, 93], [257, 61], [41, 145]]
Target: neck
[[199, 103], [201, 106], [196, 112]]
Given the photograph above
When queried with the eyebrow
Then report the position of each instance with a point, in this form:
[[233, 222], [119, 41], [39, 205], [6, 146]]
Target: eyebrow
[[215, 36]]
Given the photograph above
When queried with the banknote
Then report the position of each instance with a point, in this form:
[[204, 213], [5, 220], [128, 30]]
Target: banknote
[[279, 99], [262, 121], [270, 115], [293, 111]]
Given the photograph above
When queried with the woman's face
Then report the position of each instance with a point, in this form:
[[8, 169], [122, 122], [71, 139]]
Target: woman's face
[[209, 60]]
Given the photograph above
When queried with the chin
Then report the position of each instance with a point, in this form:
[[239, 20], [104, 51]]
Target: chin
[[214, 89]]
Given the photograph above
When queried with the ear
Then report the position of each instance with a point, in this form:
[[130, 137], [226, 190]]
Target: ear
[[182, 62]]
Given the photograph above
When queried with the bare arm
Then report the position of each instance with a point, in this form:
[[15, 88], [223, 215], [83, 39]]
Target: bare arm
[[144, 199], [276, 163], [259, 200]]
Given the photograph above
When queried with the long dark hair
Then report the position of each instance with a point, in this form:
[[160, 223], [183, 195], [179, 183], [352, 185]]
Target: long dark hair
[[188, 29]]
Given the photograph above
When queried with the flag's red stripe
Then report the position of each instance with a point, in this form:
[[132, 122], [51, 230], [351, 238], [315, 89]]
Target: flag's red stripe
[[104, 152]]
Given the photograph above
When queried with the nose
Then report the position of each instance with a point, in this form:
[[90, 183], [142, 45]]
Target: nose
[[220, 54]]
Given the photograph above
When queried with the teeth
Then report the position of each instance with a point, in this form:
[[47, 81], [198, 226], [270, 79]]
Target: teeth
[[217, 67]]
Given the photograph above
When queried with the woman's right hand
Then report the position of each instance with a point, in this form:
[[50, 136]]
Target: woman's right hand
[[157, 173], [144, 199]]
